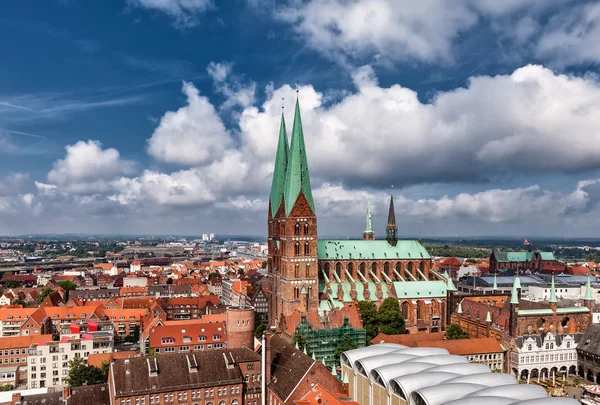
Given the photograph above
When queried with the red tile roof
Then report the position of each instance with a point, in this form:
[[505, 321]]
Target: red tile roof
[[187, 335]]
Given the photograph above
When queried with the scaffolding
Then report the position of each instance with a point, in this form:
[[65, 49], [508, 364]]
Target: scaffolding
[[322, 343]]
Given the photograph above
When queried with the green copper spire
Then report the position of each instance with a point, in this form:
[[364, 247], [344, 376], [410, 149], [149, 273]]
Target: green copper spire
[[488, 318], [459, 310], [517, 280], [514, 296], [345, 380], [368, 226], [333, 372], [314, 357], [450, 284], [280, 171], [297, 179], [588, 291], [552, 292], [495, 288]]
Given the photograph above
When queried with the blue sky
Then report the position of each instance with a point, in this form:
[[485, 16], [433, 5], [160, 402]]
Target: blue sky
[[161, 116]]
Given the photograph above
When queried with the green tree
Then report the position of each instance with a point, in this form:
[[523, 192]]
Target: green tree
[[455, 332], [134, 335], [12, 284], [7, 387], [346, 343], [390, 320], [45, 292], [259, 329], [368, 315], [264, 265], [80, 373], [19, 301], [300, 340], [67, 285], [214, 274]]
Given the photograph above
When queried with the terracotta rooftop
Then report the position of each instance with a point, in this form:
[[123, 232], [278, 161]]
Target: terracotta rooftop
[[11, 342], [318, 395], [463, 347]]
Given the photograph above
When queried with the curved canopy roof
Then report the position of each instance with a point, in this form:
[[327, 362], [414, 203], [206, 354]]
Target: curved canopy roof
[[365, 366], [384, 374], [440, 359], [405, 385], [516, 391], [351, 356], [463, 368], [482, 400], [441, 393], [487, 379]]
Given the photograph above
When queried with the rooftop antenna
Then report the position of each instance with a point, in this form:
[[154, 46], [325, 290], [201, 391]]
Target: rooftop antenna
[[297, 89]]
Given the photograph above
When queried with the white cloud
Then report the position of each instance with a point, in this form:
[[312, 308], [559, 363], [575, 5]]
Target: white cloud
[[397, 29], [87, 167], [572, 36], [236, 93], [192, 135], [185, 13]]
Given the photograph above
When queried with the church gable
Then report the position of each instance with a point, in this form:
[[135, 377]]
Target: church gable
[[301, 207]]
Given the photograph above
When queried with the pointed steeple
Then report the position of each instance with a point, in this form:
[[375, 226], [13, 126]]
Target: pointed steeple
[[514, 296], [280, 171], [333, 372], [552, 292], [450, 284], [345, 380], [304, 350], [588, 290], [368, 233], [495, 288], [488, 318], [459, 310], [391, 229], [297, 178], [314, 357], [517, 280]]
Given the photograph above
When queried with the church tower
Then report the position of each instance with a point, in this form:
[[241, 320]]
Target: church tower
[[293, 261], [391, 229], [368, 233]]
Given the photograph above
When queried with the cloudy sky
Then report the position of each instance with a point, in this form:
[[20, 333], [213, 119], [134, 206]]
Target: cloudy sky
[[162, 116]]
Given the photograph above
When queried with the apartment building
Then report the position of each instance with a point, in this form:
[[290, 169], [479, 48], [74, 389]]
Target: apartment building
[[13, 350], [61, 316], [12, 319], [183, 336], [216, 377], [49, 361], [187, 308]]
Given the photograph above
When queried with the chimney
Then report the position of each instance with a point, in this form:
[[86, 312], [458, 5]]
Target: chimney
[[16, 398], [66, 395]]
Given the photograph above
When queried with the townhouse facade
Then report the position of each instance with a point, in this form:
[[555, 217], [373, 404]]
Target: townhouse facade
[[12, 319], [13, 350], [183, 337], [187, 308]]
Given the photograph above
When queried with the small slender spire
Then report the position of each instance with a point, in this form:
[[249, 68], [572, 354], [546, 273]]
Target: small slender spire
[[459, 310], [296, 345], [514, 296], [313, 356], [304, 350], [333, 372], [517, 279], [488, 318], [495, 288], [588, 290], [392, 229], [368, 233], [323, 361], [345, 380], [450, 284], [552, 292], [280, 170]]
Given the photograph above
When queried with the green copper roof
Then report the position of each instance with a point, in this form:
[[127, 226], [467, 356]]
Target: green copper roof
[[420, 289], [279, 173], [297, 179], [450, 284], [505, 257], [588, 291], [370, 250], [552, 292], [368, 226]]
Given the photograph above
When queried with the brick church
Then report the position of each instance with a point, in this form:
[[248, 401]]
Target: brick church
[[312, 276]]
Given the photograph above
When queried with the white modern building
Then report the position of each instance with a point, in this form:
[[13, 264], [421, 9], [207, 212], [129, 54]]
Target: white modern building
[[49, 362], [545, 356], [563, 292], [392, 374]]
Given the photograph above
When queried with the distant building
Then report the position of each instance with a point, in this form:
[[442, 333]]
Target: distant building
[[500, 261]]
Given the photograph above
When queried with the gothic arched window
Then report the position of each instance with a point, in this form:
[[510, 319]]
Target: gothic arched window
[[297, 229], [307, 270], [306, 229], [296, 293], [297, 249], [306, 248], [297, 271]]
